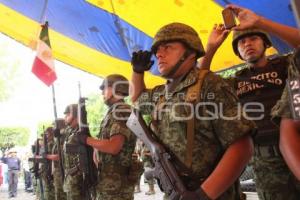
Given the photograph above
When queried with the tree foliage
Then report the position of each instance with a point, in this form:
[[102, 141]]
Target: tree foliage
[[42, 126], [13, 136], [96, 109]]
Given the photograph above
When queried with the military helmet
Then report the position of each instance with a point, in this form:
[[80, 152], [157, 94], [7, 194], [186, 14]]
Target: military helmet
[[237, 35], [119, 83], [178, 32], [72, 108]]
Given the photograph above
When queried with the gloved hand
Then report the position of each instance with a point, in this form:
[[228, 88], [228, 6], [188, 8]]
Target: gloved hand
[[81, 138], [56, 132], [141, 61], [198, 194]]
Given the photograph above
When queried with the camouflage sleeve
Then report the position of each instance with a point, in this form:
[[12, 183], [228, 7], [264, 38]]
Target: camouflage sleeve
[[282, 108], [119, 118], [145, 102], [120, 128], [230, 123]]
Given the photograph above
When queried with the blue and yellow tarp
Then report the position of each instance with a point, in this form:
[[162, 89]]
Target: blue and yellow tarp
[[99, 36]]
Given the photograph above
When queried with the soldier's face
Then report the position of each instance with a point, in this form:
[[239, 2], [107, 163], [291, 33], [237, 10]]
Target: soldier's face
[[251, 48], [168, 54], [107, 94], [68, 119]]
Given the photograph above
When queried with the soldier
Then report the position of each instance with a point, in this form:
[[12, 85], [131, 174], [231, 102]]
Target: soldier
[[212, 150], [73, 182], [137, 155], [148, 166], [57, 171], [261, 81], [46, 172], [115, 143], [289, 127]]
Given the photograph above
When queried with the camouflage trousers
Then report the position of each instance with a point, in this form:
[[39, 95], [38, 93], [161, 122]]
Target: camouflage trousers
[[273, 179], [73, 187], [114, 186], [150, 181], [48, 190], [58, 188]]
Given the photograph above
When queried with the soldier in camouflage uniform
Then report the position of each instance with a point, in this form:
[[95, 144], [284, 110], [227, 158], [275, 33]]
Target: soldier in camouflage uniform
[[148, 165], [115, 143], [47, 178], [73, 183], [262, 81], [56, 170], [137, 155], [289, 128], [216, 149]]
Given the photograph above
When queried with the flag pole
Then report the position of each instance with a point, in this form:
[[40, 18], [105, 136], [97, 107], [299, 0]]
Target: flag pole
[[54, 102]]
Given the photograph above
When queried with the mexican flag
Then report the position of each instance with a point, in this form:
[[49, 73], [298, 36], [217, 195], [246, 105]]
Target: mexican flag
[[43, 65]]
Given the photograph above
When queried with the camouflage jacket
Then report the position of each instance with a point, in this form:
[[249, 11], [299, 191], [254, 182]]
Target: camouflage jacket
[[114, 123], [213, 134]]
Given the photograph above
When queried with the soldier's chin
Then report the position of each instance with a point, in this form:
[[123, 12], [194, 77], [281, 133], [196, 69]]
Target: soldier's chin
[[253, 59], [163, 72]]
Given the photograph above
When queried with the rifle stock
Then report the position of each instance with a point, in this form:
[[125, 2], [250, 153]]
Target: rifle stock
[[164, 170]]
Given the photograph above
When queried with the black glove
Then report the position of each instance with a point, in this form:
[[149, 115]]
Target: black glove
[[56, 133], [81, 138], [198, 194], [141, 61]]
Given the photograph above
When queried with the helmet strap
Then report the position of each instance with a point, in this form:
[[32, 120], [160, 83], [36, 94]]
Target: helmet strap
[[174, 69]]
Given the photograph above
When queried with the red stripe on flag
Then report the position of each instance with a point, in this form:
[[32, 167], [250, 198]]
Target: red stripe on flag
[[43, 72]]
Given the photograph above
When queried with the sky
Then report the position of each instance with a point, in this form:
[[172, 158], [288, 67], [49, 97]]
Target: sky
[[32, 101]]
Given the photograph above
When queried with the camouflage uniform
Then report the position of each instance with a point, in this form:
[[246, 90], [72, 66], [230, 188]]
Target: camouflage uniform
[[273, 178], [113, 183], [47, 181], [282, 110], [212, 137], [57, 176], [73, 185], [148, 163]]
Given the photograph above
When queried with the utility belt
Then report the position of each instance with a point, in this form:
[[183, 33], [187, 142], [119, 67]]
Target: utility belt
[[267, 151]]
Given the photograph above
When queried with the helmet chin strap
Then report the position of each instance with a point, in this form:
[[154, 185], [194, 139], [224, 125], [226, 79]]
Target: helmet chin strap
[[174, 69]]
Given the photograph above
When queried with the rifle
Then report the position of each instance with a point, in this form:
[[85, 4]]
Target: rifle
[[164, 170], [85, 152], [35, 169], [57, 134]]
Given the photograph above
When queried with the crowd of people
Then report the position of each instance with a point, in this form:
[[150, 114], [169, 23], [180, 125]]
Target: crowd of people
[[196, 116]]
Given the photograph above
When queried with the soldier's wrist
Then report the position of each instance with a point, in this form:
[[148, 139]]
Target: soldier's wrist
[[138, 71]]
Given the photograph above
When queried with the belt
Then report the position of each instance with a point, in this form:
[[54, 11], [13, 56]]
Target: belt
[[267, 151]]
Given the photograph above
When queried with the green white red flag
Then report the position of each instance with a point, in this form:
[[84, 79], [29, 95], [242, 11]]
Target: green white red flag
[[43, 65]]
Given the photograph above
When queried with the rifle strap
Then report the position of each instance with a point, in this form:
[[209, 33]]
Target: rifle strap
[[193, 96]]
